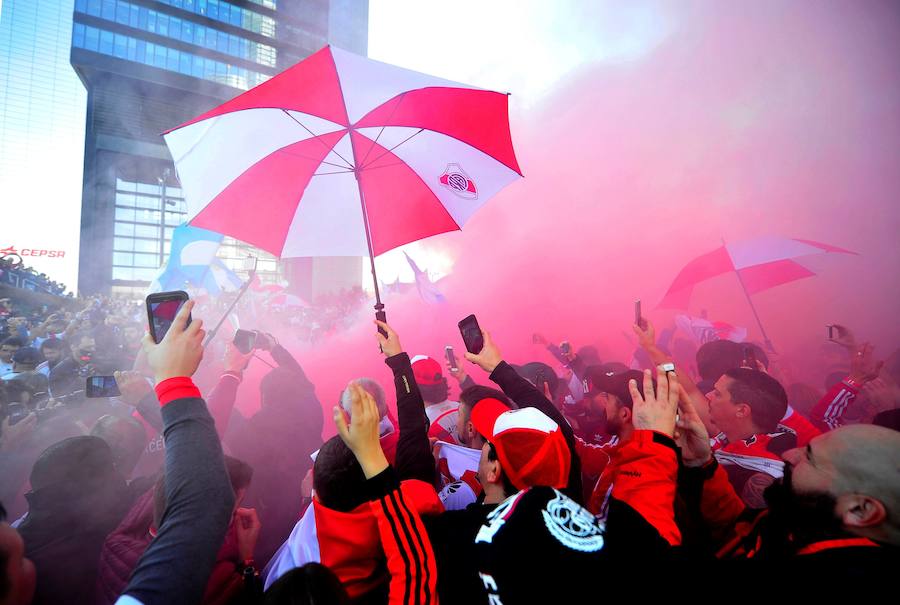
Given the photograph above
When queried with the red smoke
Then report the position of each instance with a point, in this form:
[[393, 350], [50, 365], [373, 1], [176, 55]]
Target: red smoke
[[765, 118]]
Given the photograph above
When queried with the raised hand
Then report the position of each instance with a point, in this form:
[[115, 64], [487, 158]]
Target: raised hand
[[361, 435], [863, 366], [489, 357], [235, 361], [690, 432], [646, 334], [656, 411], [390, 344], [133, 386], [181, 350], [246, 530]]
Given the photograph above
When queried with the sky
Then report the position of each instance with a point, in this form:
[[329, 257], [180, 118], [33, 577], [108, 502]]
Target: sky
[[523, 48]]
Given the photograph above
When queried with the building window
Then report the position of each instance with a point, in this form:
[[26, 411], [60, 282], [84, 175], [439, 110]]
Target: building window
[[126, 13], [138, 224]]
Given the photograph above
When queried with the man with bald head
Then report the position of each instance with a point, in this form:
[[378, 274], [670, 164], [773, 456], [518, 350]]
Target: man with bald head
[[835, 510], [126, 438]]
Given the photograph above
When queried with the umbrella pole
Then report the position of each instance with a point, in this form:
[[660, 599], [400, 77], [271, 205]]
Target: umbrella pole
[[379, 306], [753, 308], [755, 314]]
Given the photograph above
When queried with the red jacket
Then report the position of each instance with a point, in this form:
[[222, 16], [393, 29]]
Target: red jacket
[[828, 414]]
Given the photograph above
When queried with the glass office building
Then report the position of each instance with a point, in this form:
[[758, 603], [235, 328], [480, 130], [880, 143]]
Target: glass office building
[[42, 121], [150, 65]]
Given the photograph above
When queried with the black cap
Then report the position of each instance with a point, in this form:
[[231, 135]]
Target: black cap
[[601, 380], [27, 355]]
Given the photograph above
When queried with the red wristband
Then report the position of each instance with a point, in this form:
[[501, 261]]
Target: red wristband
[[180, 387]]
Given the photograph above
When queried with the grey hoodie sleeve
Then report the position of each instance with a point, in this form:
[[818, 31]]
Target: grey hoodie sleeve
[[176, 566]]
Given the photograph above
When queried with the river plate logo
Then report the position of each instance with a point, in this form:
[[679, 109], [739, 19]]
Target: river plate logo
[[456, 180]]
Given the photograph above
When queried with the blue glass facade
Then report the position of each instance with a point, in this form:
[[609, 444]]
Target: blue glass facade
[[42, 125], [157, 55], [184, 30]]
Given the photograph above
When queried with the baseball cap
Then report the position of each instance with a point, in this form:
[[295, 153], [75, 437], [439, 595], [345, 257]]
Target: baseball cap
[[426, 370], [27, 355], [530, 446], [601, 380]]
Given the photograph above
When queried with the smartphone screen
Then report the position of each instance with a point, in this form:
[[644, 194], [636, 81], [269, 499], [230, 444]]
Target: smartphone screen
[[451, 357], [162, 309], [245, 341], [471, 334], [101, 386], [17, 411], [638, 321]]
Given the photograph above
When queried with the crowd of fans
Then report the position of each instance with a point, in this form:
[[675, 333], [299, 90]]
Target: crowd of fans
[[14, 273], [682, 470]]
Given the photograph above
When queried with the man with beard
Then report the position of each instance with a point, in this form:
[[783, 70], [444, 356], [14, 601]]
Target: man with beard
[[834, 515], [610, 401]]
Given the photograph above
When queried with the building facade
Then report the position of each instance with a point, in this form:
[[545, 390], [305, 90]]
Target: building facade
[[42, 117], [150, 65]]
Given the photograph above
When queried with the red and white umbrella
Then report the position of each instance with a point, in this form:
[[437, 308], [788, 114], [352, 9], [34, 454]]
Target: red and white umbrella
[[340, 147], [759, 264]]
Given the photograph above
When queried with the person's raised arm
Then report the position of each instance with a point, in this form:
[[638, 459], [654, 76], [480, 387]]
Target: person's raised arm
[[410, 557], [222, 398], [647, 339], [280, 355], [525, 394], [828, 413], [199, 499], [414, 459]]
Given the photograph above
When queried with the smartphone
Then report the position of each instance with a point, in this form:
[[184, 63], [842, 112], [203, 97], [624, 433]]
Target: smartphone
[[638, 318], [381, 316], [245, 341], [451, 357], [471, 334], [750, 358], [565, 347], [101, 386], [830, 332], [17, 412], [162, 308]]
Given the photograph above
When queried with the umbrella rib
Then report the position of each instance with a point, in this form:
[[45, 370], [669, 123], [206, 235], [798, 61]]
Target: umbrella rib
[[300, 155], [351, 171], [392, 148], [380, 132], [331, 149], [335, 172]]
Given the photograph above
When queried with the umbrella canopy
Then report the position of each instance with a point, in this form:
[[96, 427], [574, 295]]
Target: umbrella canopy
[[338, 147], [760, 264]]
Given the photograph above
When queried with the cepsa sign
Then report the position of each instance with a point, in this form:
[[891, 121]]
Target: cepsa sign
[[12, 252]]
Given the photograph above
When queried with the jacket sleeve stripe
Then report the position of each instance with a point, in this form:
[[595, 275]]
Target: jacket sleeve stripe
[[404, 553], [423, 546], [415, 554]]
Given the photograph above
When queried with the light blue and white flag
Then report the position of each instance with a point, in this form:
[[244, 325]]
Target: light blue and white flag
[[192, 262]]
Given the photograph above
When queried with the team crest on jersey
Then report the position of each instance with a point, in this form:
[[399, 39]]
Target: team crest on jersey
[[572, 525], [456, 180]]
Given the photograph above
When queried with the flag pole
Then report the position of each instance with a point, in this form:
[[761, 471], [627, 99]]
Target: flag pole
[[752, 306], [212, 334]]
